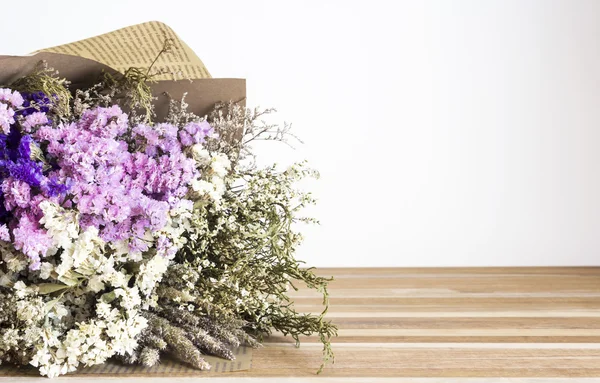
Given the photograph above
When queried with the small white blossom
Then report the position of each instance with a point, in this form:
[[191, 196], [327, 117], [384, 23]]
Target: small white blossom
[[21, 290], [46, 269]]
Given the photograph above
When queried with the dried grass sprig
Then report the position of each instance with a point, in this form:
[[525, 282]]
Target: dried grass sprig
[[45, 79]]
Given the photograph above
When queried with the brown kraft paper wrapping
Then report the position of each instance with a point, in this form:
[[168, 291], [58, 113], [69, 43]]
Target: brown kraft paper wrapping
[[83, 62]]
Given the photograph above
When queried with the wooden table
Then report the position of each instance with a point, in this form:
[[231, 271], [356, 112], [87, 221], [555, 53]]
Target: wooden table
[[444, 325], [492, 322]]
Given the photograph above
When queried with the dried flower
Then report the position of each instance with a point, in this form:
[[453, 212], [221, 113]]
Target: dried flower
[[123, 237]]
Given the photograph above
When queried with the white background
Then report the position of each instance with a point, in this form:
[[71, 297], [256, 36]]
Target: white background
[[447, 133]]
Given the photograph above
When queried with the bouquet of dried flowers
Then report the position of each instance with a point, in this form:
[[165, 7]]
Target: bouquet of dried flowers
[[130, 237]]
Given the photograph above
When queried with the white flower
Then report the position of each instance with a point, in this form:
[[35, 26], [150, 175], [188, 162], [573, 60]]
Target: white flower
[[88, 246], [53, 370], [15, 262], [200, 186], [21, 290], [30, 311], [130, 297], [116, 278], [95, 283], [151, 273], [124, 332], [106, 311], [10, 337], [5, 280], [58, 312], [185, 208], [62, 225], [201, 155], [45, 270], [220, 164], [65, 265], [120, 249]]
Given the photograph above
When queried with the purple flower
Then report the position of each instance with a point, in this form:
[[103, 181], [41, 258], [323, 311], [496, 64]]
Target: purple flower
[[196, 132], [24, 170], [164, 247], [52, 187], [122, 189], [34, 120], [4, 233], [12, 97], [32, 240], [6, 117], [24, 148], [104, 122], [122, 180], [36, 102], [16, 194]]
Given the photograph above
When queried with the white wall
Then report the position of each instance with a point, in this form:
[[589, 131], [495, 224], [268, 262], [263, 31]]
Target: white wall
[[447, 132]]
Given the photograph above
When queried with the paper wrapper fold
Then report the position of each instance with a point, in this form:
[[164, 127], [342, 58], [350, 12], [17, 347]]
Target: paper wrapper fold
[[83, 62]]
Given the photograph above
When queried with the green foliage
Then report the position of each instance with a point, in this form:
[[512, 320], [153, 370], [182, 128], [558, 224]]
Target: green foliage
[[133, 89], [239, 262], [46, 79]]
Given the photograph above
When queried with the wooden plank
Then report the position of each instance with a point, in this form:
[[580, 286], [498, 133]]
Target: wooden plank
[[344, 272], [468, 322], [388, 310]]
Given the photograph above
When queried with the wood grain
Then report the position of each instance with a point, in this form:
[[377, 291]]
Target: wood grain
[[451, 322], [443, 325]]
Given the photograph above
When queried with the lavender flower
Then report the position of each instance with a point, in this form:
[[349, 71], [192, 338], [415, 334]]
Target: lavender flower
[[4, 233], [34, 106], [195, 133], [6, 117], [31, 239], [122, 194], [12, 97], [23, 184], [16, 193], [34, 120]]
